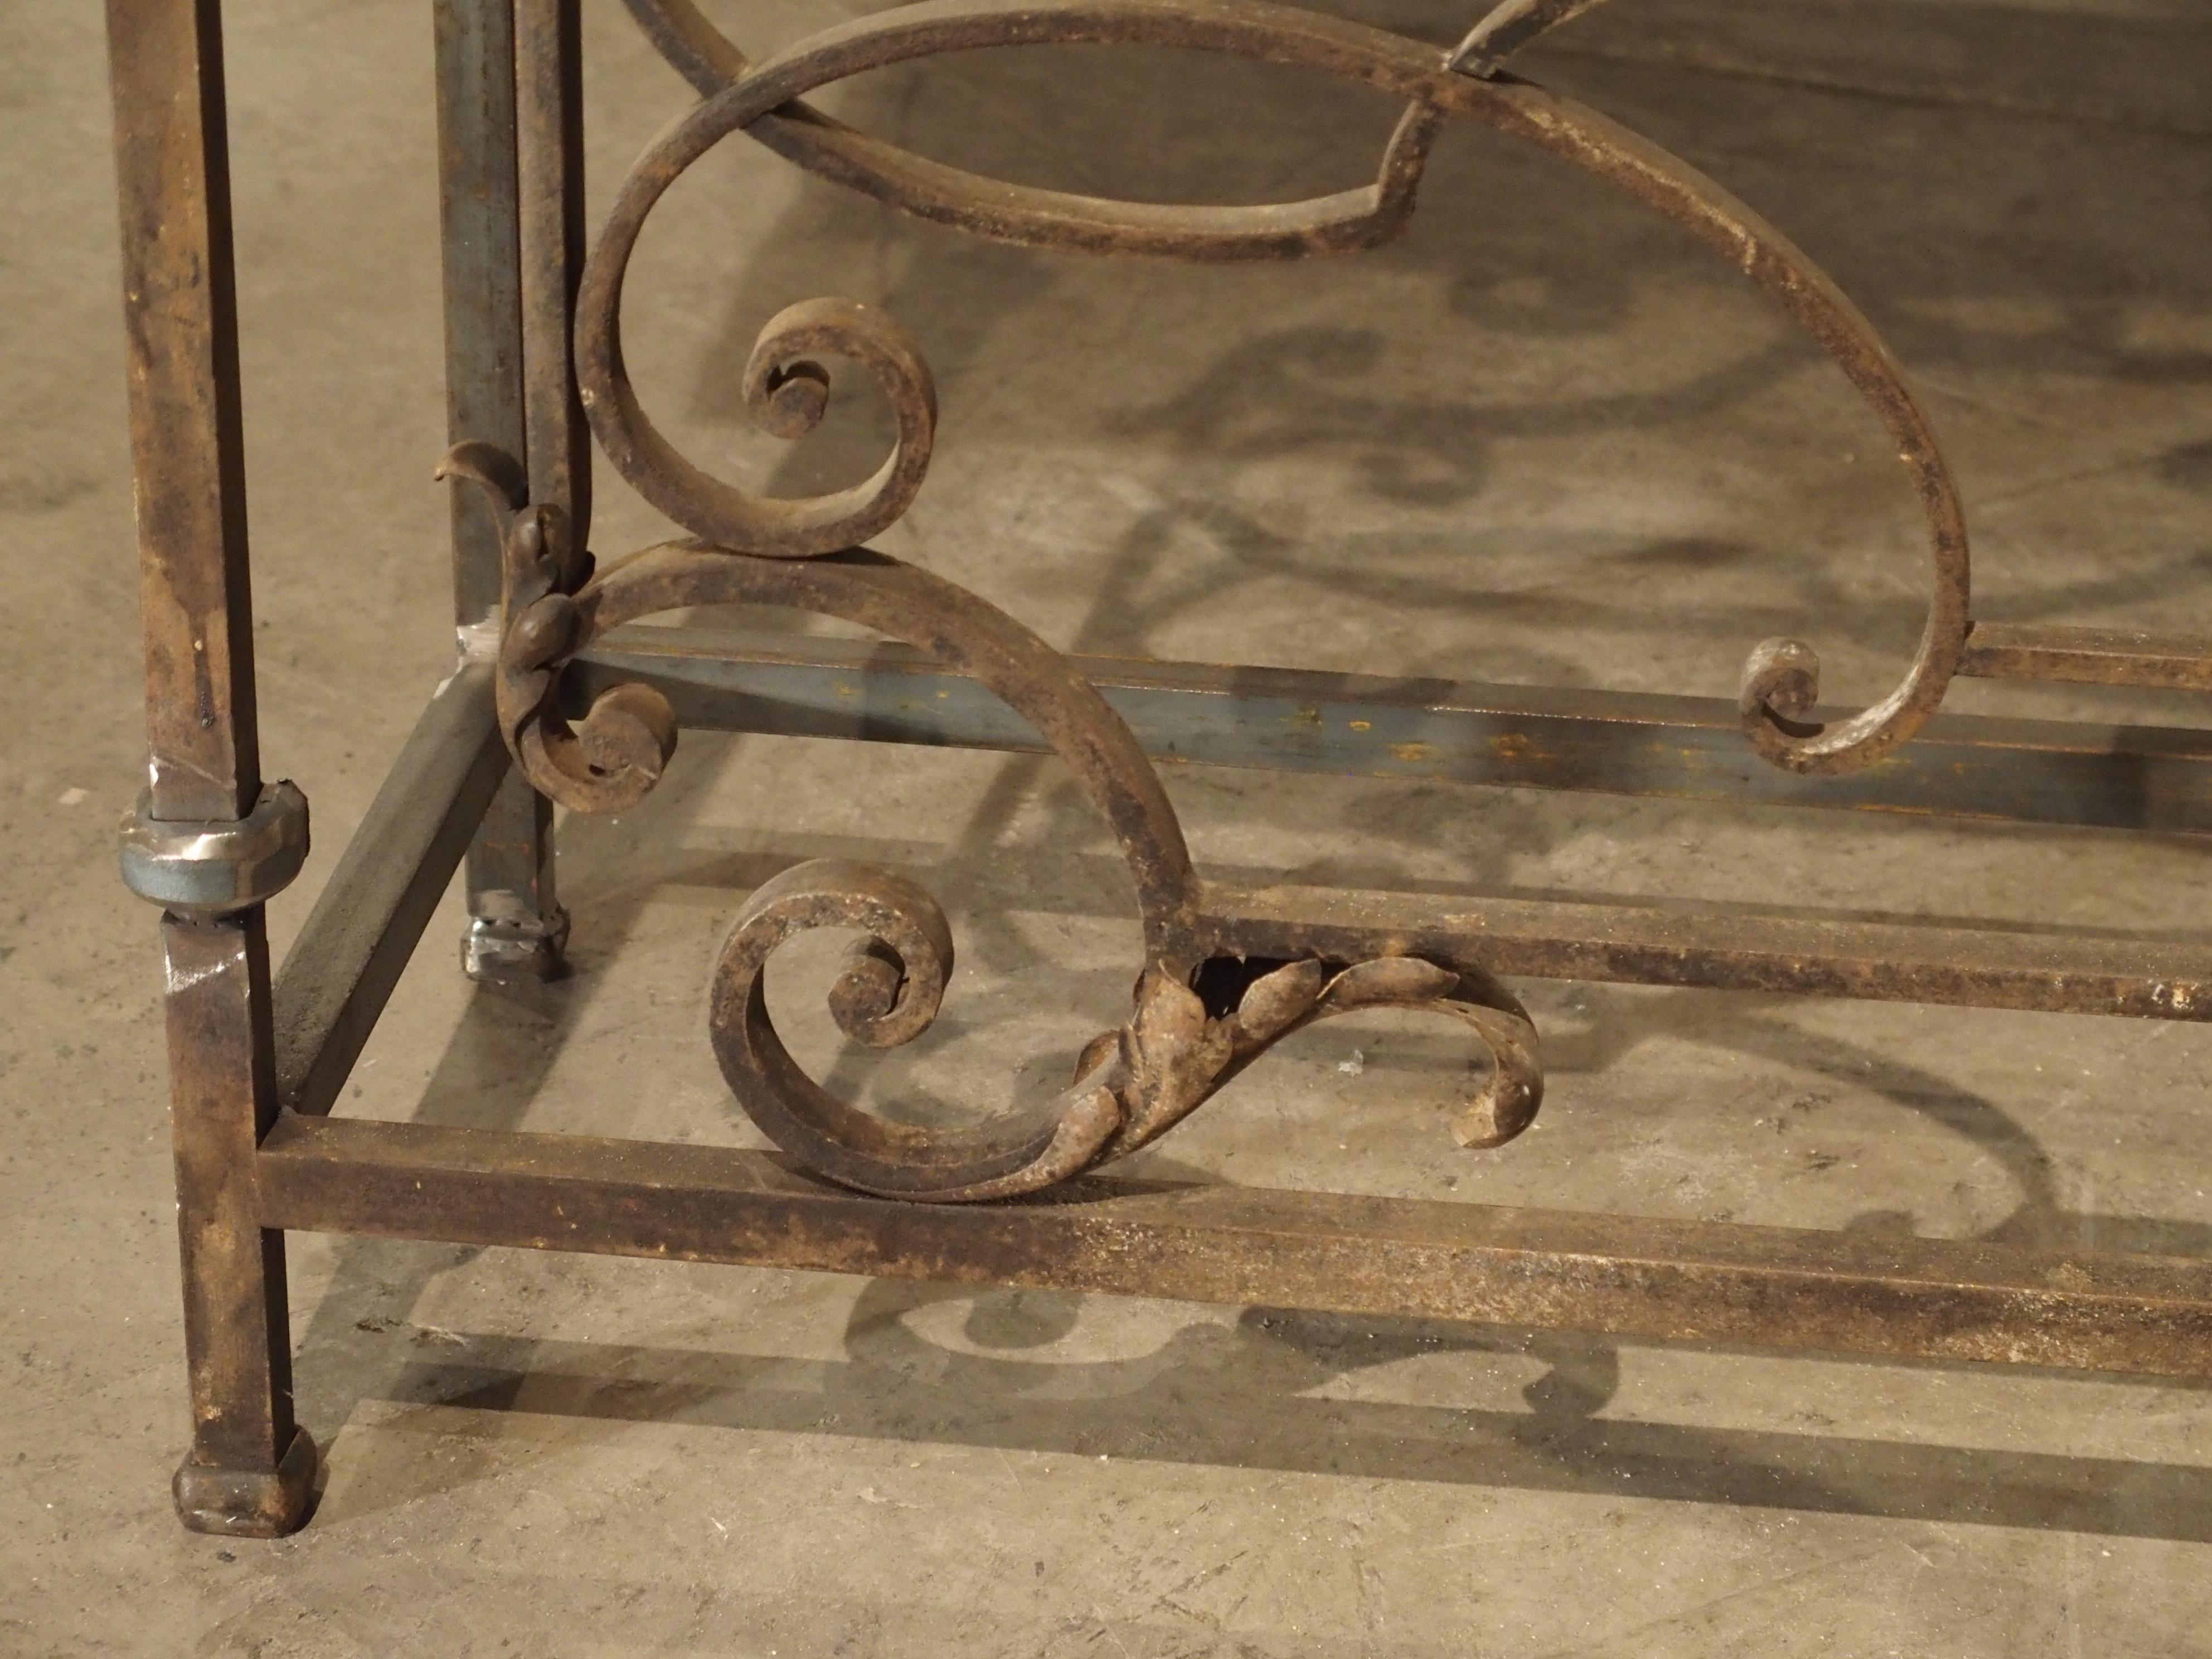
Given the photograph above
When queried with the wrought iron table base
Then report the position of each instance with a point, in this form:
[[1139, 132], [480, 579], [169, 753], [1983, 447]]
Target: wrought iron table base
[[555, 699]]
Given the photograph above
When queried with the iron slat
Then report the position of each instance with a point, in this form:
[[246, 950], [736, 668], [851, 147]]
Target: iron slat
[[2102, 776], [1637, 1276]]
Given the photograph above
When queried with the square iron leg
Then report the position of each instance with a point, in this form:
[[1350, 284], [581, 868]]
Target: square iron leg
[[517, 929], [250, 1469], [207, 842]]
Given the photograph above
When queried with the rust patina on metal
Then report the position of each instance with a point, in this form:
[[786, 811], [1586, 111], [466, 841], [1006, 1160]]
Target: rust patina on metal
[[250, 1468], [557, 699]]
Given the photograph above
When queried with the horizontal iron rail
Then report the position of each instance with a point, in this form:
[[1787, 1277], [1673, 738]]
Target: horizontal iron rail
[[1636, 1276], [2101, 777], [2088, 656], [340, 972], [1724, 948]]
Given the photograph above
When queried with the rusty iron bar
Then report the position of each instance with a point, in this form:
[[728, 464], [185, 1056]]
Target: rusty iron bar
[[1509, 27], [549, 143], [1026, 215], [195, 599], [1636, 1275], [1678, 748], [1729, 948], [250, 1468], [481, 267], [342, 968], [1281, 719], [2088, 656], [516, 925]]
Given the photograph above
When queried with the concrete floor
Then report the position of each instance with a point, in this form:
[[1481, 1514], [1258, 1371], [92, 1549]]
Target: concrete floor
[[1544, 437]]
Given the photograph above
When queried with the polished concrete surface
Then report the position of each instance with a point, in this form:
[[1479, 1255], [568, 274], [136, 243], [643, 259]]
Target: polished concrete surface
[[1546, 438]]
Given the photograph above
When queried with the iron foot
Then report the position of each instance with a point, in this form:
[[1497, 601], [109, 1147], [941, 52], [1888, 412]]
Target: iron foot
[[503, 952], [249, 1503]]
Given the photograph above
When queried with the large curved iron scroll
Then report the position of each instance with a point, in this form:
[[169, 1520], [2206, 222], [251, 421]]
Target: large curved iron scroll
[[1194, 1022]]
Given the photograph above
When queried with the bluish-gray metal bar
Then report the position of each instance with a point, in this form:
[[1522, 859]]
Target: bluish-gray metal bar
[[340, 972], [2102, 776], [515, 916]]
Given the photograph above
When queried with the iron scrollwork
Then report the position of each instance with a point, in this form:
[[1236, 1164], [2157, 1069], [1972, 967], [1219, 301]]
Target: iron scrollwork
[[1197, 1017]]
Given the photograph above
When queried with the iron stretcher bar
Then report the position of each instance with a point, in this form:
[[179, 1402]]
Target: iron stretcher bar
[[340, 972], [1657, 1278], [2101, 777], [1723, 948], [2088, 656]]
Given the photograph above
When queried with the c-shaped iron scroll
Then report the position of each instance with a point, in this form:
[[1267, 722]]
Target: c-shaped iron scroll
[[1174, 1051], [1780, 681]]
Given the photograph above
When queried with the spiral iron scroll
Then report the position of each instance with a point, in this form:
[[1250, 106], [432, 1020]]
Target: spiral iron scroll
[[1195, 1021]]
